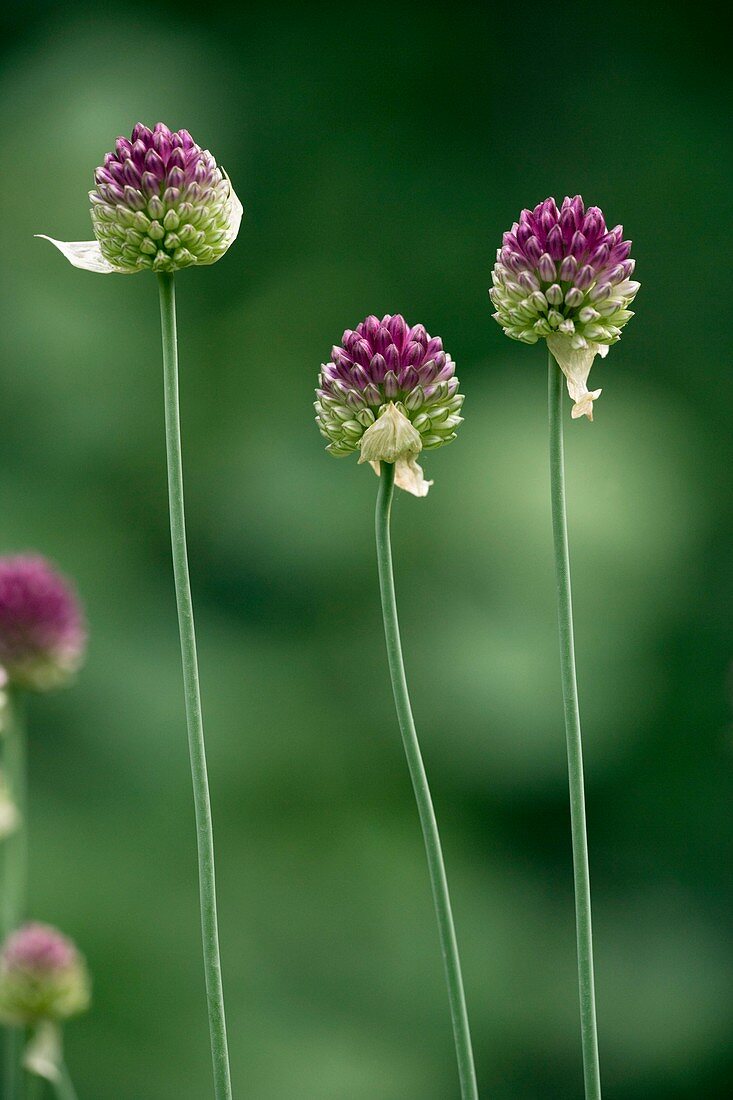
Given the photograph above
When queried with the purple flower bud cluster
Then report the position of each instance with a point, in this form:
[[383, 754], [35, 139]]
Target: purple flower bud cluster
[[563, 272], [160, 202], [42, 629], [42, 976], [38, 947], [382, 361]]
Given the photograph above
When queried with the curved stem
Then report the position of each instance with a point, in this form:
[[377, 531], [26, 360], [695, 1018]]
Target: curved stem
[[436, 866], [197, 751], [15, 868], [581, 870]]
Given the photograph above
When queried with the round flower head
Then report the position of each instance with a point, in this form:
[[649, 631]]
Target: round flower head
[[389, 392], [42, 977], [160, 204], [42, 631], [562, 276]]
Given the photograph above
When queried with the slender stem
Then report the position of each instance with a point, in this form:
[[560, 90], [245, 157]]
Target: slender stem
[[15, 869], [436, 866], [63, 1085], [197, 750], [12, 1057], [35, 1087], [581, 870]]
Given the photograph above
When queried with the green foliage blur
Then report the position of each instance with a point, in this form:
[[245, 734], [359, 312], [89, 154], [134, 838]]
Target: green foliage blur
[[379, 151]]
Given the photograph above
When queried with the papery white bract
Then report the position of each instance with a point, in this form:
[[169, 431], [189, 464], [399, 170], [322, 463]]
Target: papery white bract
[[392, 438], [575, 363], [86, 255]]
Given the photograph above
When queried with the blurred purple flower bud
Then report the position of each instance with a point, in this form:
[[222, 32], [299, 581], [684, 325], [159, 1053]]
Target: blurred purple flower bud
[[42, 629]]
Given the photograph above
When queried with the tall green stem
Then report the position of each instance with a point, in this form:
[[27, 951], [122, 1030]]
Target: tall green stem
[[581, 870], [15, 870], [197, 751], [436, 866]]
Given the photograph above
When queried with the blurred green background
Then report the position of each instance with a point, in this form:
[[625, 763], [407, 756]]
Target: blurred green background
[[379, 152]]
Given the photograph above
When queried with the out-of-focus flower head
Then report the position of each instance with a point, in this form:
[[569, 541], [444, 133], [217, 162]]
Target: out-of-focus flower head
[[42, 977], [160, 203], [389, 391], [42, 629], [562, 276]]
